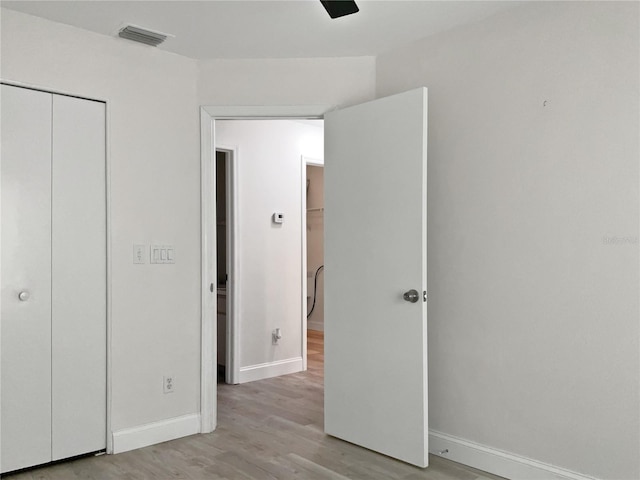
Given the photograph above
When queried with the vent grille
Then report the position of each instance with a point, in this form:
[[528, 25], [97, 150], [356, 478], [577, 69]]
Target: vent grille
[[142, 35]]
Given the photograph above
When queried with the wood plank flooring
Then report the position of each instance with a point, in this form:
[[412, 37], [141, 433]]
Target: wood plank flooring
[[269, 429]]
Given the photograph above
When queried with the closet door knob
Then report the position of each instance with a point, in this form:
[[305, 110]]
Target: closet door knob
[[411, 296], [23, 296]]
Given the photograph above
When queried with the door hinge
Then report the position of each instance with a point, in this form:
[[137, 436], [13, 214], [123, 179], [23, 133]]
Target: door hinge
[[211, 288], [424, 296]]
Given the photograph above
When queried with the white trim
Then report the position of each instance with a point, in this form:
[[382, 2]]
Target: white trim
[[232, 359], [208, 371], [156, 432], [234, 300], [315, 162], [267, 112], [317, 326], [40, 88], [109, 292], [208, 115], [271, 369], [497, 462], [303, 263]]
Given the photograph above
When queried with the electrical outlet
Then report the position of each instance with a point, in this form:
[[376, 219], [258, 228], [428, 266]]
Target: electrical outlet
[[276, 336], [168, 385]]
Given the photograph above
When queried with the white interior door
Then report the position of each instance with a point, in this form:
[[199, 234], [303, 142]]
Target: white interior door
[[375, 251], [78, 245], [25, 418]]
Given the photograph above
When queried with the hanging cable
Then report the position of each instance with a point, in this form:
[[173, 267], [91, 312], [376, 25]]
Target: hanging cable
[[315, 290]]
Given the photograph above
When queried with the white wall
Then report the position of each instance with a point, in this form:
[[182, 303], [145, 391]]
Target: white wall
[[288, 81], [269, 175], [533, 317], [155, 177]]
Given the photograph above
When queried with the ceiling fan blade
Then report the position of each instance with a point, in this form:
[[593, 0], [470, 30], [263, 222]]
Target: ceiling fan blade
[[339, 8]]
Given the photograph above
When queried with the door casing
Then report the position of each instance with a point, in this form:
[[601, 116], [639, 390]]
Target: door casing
[[208, 117]]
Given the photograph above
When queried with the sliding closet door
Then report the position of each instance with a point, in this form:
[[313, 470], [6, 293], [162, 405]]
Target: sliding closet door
[[78, 362], [25, 415]]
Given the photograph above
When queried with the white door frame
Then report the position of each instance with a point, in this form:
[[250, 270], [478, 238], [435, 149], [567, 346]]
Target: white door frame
[[108, 293], [208, 116], [316, 162]]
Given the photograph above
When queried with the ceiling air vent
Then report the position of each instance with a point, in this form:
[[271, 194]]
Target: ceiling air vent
[[142, 35]]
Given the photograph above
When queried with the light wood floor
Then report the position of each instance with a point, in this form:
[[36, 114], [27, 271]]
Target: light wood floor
[[269, 429]]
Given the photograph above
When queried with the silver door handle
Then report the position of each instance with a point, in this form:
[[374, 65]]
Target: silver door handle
[[23, 296], [411, 296]]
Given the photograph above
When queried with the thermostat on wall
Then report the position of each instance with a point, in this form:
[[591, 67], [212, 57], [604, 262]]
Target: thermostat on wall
[[278, 217]]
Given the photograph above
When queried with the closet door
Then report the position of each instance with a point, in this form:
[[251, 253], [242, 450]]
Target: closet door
[[78, 361], [53, 272], [25, 415]]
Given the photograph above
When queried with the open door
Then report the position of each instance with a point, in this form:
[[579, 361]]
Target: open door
[[376, 276]]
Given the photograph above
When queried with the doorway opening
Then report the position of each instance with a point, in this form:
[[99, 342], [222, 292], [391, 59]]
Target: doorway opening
[[315, 245], [314, 232], [262, 292], [210, 118], [225, 256]]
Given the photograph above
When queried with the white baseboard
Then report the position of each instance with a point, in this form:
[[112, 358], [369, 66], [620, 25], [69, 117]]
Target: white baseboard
[[157, 432], [268, 370], [496, 461], [314, 325]]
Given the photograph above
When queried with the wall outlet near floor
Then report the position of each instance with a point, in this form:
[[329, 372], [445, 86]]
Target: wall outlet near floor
[[168, 385]]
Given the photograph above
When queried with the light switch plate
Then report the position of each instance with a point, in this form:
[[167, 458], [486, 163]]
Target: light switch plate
[[162, 254], [139, 255]]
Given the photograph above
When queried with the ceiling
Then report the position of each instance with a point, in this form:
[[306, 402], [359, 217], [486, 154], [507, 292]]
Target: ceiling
[[268, 28]]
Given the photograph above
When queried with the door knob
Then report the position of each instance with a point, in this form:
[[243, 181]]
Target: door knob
[[411, 296], [23, 296]]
